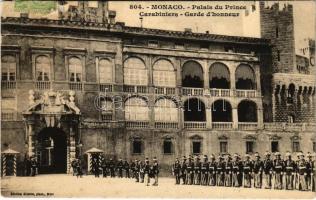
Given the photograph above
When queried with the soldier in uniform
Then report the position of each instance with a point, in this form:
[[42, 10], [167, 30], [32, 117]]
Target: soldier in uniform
[[74, 167], [136, 170], [228, 171], [104, 167], [204, 171], [302, 172], [257, 171], [132, 167], [95, 166], [126, 169], [79, 168], [155, 169], [220, 168], [212, 171], [33, 166], [267, 170], [141, 171], [119, 167], [236, 171], [190, 174], [176, 167], [247, 169], [197, 171], [112, 168], [309, 170], [184, 170], [278, 166], [146, 172], [289, 170]]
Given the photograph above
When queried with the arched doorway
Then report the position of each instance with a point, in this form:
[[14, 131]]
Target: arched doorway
[[52, 151]]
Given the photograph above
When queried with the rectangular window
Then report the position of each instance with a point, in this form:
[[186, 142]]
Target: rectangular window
[[314, 146], [223, 147], [137, 147], [249, 147], [274, 146], [196, 145], [296, 146], [153, 43], [167, 147], [179, 45]]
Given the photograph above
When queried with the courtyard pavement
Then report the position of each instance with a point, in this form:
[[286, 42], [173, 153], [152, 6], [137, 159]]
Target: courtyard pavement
[[62, 185]]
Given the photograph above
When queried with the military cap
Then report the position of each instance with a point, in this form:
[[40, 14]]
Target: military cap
[[287, 154], [205, 156], [220, 156], [184, 158], [247, 155], [277, 154], [257, 154], [267, 153], [308, 155], [154, 158], [300, 154], [212, 156]]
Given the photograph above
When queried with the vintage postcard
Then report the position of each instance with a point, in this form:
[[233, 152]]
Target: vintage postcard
[[158, 99]]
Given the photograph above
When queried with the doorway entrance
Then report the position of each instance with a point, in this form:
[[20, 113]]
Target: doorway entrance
[[52, 151]]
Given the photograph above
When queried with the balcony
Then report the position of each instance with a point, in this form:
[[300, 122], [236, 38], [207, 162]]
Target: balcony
[[8, 116], [106, 88], [222, 125], [43, 85], [246, 93], [192, 91], [8, 85], [220, 92], [289, 126], [165, 90], [135, 89], [166, 125], [247, 125], [137, 124], [195, 125], [75, 86]]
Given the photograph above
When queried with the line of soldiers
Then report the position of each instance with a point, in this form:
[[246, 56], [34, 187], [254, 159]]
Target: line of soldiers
[[142, 171], [226, 171]]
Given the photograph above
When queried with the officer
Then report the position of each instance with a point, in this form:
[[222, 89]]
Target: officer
[[95, 166], [112, 168], [278, 166], [257, 171], [309, 170], [119, 167], [267, 170], [228, 170], [302, 172], [204, 171], [289, 170], [126, 169], [146, 172], [236, 170], [220, 168], [155, 169], [136, 170], [104, 167], [212, 171], [247, 169], [132, 167], [141, 171], [176, 167], [33, 166], [197, 171], [190, 174], [184, 169]]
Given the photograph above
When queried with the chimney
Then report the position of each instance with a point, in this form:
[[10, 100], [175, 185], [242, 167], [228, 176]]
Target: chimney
[[188, 30], [112, 15]]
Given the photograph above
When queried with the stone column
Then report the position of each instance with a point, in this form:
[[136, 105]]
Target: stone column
[[235, 117], [181, 117], [260, 115], [72, 148], [151, 105], [206, 77], [178, 76], [31, 142], [208, 117]]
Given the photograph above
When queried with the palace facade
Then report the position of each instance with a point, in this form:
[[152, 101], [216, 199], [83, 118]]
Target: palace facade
[[86, 81]]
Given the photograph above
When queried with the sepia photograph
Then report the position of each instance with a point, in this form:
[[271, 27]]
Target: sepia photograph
[[158, 99]]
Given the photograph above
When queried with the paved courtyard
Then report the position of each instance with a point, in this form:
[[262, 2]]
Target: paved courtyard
[[68, 186]]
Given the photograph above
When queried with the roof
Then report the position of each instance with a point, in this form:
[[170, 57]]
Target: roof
[[94, 150], [10, 151]]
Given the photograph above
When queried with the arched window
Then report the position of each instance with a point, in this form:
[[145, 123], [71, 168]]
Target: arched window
[[164, 74], [105, 71], [219, 76], [42, 68], [135, 72], [166, 110], [245, 77], [290, 93], [75, 70], [194, 110], [8, 68], [136, 109], [221, 111], [192, 75], [106, 106], [247, 111]]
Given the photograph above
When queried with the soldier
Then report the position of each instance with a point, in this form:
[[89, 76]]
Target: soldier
[[155, 169], [267, 170], [278, 166], [184, 170], [289, 170], [228, 171], [220, 168], [104, 167], [136, 170], [296, 176], [197, 171], [95, 166], [257, 171], [132, 167], [247, 169], [190, 174], [212, 171], [302, 172], [146, 172], [204, 171], [126, 169], [309, 170], [176, 167], [236, 171], [141, 171], [314, 172], [119, 168], [33, 166], [79, 168], [74, 167], [112, 168]]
